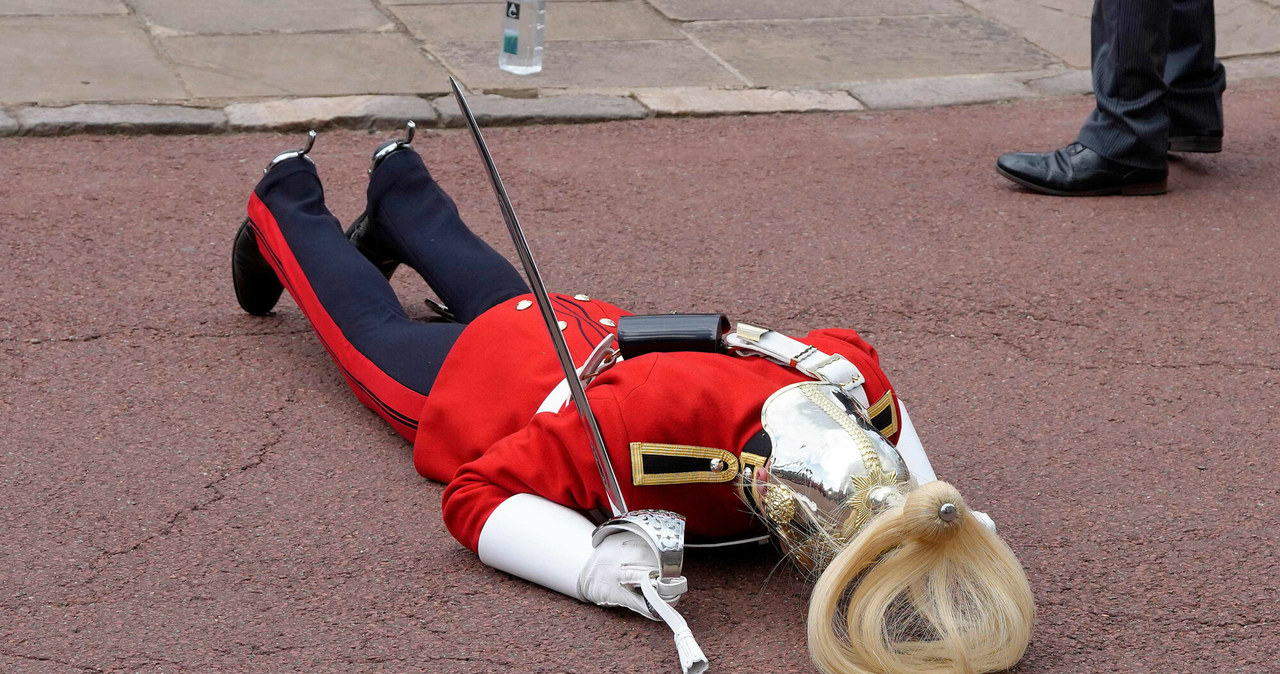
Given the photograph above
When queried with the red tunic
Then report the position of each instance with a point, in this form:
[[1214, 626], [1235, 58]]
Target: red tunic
[[479, 433]]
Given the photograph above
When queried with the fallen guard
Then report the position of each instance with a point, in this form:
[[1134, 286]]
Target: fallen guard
[[699, 416]]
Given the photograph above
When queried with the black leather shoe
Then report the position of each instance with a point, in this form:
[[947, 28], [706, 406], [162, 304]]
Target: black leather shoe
[[1196, 142], [1075, 170], [362, 234], [257, 288]]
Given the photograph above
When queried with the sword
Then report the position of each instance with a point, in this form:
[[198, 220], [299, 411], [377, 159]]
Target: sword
[[670, 552], [616, 503]]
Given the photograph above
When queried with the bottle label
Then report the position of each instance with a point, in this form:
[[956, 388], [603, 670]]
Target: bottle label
[[513, 10], [511, 42]]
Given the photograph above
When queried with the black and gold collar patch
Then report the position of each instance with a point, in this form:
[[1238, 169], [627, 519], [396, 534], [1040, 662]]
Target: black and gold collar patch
[[884, 416], [655, 463]]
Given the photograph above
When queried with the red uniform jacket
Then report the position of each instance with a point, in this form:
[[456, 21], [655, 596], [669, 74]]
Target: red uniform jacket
[[664, 418]]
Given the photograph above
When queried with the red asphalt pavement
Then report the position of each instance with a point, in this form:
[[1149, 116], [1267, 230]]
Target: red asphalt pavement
[[186, 488]]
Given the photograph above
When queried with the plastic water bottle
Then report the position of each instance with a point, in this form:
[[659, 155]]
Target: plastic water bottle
[[523, 31]]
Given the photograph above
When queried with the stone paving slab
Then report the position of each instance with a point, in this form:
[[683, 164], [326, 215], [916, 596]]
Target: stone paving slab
[[1061, 27], [928, 92], [828, 53], [43, 59], [91, 118], [722, 10], [568, 105], [642, 63], [359, 112], [256, 16], [1255, 67], [490, 109], [8, 125], [60, 7], [1246, 27], [578, 21], [236, 66], [696, 101], [695, 57]]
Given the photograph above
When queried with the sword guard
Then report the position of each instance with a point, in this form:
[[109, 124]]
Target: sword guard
[[663, 530]]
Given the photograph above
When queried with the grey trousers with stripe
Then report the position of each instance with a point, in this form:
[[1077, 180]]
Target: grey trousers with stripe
[[1154, 75]]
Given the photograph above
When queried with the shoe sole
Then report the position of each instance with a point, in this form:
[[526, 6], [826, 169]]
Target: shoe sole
[[1135, 190], [1195, 144]]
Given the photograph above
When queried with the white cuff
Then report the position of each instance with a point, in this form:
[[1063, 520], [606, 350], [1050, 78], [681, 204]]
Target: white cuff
[[911, 451], [539, 541]]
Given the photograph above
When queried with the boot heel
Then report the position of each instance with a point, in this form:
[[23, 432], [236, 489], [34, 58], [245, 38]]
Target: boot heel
[[1145, 189], [255, 282]]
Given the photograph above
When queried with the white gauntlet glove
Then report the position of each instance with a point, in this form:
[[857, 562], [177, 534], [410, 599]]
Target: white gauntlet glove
[[552, 546], [624, 571], [615, 573]]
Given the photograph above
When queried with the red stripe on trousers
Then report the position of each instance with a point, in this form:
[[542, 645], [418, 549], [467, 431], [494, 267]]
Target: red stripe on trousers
[[373, 387]]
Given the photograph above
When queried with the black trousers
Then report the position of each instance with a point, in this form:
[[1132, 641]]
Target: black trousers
[[389, 360], [1154, 75]]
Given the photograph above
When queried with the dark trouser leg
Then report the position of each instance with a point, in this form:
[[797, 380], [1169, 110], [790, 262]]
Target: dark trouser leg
[[1195, 77], [420, 225], [389, 360], [1130, 124]]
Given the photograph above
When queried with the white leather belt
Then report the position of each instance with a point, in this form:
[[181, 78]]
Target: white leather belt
[[809, 360]]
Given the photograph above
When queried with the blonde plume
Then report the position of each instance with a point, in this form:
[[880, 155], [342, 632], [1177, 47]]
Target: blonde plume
[[915, 593]]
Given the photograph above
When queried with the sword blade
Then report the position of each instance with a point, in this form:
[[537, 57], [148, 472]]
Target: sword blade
[[612, 491]]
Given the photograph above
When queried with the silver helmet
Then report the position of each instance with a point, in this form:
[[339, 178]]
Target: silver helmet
[[828, 473]]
